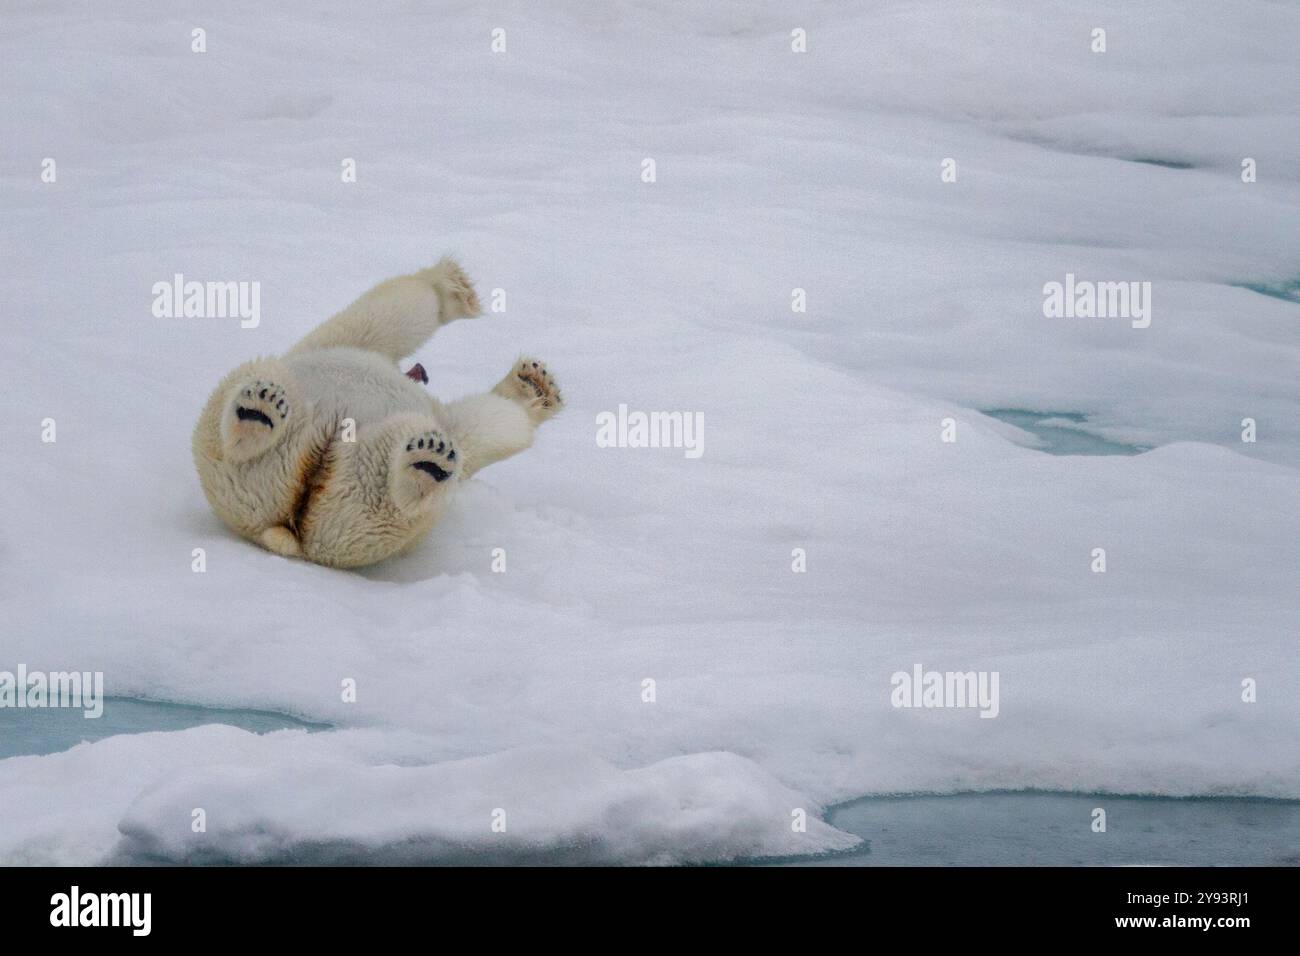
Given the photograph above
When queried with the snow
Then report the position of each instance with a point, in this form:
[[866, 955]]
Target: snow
[[523, 690], [290, 795]]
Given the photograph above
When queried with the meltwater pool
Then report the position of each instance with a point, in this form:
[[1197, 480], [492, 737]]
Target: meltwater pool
[[50, 730], [1036, 828]]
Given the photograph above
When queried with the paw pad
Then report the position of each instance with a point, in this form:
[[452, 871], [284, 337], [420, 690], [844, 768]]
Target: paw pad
[[263, 403], [535, 382], [254, 421], [432, 454]]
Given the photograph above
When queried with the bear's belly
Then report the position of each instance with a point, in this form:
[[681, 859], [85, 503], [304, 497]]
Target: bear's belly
[[351, 383]]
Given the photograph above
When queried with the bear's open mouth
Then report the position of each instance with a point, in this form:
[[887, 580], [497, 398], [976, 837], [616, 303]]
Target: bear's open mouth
[[252, 414], [431, 469]]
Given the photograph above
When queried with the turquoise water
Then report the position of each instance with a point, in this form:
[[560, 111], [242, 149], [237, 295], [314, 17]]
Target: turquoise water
[[1033, 828], [1062, 439], [1286, 291], [49, 730]]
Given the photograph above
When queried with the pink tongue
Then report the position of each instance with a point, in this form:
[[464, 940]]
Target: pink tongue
[[417, 373]]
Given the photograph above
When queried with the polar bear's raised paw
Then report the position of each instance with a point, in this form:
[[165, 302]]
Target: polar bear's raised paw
[[532, 386], [455, 292]]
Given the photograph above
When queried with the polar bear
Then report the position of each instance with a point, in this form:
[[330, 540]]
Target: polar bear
[[272, 445]]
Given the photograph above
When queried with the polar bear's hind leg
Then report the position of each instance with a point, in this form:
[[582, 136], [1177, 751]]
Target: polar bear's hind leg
[[428, 453], [419, 466], [254, 420], [399, 315]]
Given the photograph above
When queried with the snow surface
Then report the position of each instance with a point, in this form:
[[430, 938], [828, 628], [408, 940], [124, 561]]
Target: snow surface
[[522, 691]]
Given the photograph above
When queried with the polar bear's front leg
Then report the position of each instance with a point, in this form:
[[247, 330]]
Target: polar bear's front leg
[[396, 317], [500, 423], [531, 386]]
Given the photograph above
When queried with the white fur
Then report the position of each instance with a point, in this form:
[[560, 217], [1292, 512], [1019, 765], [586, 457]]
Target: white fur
[[270, 450]]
